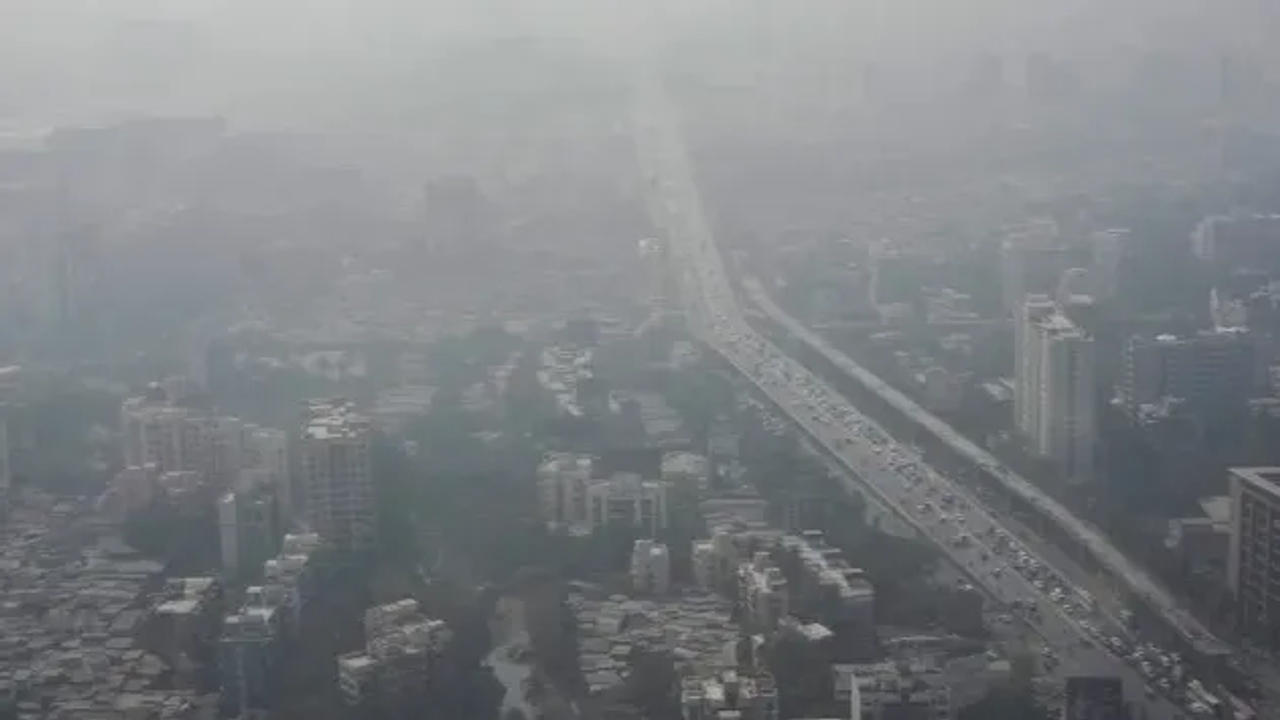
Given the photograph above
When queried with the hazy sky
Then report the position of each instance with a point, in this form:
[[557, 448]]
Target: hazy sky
[[77, 57]]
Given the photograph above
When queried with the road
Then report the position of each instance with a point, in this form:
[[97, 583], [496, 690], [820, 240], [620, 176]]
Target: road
[[1135, 579], [936, 507]]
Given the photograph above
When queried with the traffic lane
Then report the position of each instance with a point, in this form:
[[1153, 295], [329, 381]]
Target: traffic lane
[[1057, 630]]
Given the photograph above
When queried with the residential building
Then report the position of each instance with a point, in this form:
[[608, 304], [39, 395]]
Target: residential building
[[265, 462], [402, 650], [293, 575], [250, 657], [337, 478], [1095, 698], [627, 499], [1111, 250], [1253, 572], [650, 567], [1214, 372], [716, 559], [246, 529], [729, 696], [1032, 260], [562, 484], [763, 599], [185, 621], [686, 470], [826, 589], [892, 690], [1236, 241], [1054, 390]]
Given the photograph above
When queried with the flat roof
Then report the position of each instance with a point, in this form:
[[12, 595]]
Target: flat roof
[[1264, 479]]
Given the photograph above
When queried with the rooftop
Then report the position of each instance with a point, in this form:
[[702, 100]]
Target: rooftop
[[1264, 480], [334, 419]]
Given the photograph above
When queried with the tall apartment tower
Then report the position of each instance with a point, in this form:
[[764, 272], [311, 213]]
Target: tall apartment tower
[[1253, 571], [1054, 404], [337, 479]]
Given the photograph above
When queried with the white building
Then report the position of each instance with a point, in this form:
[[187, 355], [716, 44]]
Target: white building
[[337, 479], [1054, 389], [650, 567]]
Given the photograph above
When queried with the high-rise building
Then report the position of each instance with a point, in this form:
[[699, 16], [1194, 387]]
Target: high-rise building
[[246, 528], [1253, 570], [336, 475], [402, 650], [1214, 372], [1111, 249], [825, 588], [1027, 362], [762, 594], [626, 499], [250, 657], [1095, 698], [1054, 390], [1032, 260], [1231, 242]]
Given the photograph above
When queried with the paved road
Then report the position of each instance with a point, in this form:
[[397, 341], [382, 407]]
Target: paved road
[[1133, 577], [938, 509]]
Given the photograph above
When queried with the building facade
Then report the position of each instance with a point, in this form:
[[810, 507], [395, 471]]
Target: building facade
[[1214, 372], [1253, 575], [337, 476], [1054, 401]]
